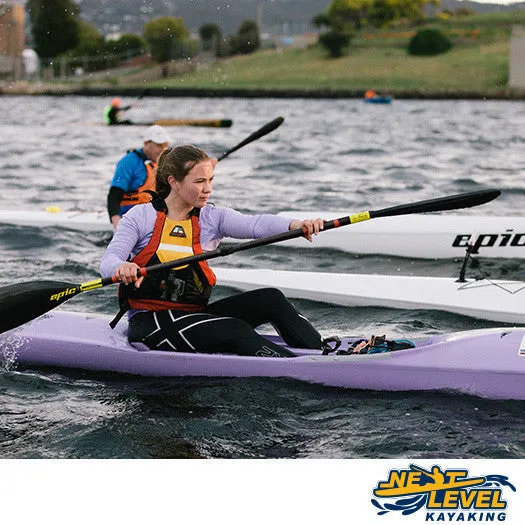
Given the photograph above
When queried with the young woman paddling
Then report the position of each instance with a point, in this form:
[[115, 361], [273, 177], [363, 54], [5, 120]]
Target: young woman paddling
[[171, 310]]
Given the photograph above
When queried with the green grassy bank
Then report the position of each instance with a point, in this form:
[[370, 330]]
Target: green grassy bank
[[476, 66], [377, 59], [480, 68]]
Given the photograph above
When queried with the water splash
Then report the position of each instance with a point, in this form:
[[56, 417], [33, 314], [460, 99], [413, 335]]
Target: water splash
[[8, 350]]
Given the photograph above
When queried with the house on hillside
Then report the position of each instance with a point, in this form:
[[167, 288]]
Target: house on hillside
[[11, 39]]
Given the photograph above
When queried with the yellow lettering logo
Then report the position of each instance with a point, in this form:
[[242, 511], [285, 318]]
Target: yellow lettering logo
[[59, 296], [440, 491]]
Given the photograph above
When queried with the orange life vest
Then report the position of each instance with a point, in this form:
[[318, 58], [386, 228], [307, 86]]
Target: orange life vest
[[140, 196], [186, 288]]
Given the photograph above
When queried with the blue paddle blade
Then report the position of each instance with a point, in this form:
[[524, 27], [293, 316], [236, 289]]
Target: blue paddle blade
[[23, 302]]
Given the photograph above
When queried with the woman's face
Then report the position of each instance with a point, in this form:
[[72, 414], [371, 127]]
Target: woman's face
[[195, 189]]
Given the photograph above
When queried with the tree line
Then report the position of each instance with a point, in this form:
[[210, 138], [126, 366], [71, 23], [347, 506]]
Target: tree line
[[57, 30], [344, 18]]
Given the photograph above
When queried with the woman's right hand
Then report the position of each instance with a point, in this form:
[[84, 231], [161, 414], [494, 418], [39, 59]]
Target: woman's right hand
[[126, 273], [310, 227]]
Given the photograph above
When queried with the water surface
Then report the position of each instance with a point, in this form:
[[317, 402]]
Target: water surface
[[329, 154]]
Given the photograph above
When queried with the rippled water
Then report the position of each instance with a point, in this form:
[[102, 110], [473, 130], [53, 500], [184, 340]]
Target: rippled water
[[329, 154]]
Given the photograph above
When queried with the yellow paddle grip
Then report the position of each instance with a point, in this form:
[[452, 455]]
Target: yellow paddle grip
[[359, 217]]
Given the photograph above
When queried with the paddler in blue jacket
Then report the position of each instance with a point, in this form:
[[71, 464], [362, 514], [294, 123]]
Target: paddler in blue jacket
[[113, 111], [135, 173], [170, 310]]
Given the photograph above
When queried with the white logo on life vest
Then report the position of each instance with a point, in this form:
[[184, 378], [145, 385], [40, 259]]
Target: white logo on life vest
[[178, 231]]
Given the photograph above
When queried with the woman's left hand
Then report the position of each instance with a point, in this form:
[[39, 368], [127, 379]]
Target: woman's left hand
[[310, 227]]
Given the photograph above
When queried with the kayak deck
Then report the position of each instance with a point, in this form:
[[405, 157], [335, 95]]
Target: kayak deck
[[52, 216], [378, 100], [488, 363], [496, 300], [424, 236]]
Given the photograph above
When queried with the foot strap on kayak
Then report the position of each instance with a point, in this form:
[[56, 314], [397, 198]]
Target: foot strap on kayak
[[325, 345], [379, 344], [375, 345]]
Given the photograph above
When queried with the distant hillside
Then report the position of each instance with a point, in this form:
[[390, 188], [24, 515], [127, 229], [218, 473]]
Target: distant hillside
[[279, 17], [452, 5]]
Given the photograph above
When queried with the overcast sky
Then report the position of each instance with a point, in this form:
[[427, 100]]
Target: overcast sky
[[507, 2]]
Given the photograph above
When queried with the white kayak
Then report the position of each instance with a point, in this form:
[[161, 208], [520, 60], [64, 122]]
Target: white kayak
[[502, 301], [54, 216], [424, 236]]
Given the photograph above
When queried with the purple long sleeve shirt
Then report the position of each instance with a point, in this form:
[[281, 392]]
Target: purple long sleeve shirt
[[136, 228]]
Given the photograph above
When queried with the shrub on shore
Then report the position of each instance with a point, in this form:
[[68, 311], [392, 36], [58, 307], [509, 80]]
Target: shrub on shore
[[428, 42]]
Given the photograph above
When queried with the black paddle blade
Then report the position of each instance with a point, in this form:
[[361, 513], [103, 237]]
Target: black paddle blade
[[261, 132], [23, 302], [453, 202]]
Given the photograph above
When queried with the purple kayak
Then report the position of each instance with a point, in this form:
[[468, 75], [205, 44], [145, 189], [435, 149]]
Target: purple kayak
[[488, 363]]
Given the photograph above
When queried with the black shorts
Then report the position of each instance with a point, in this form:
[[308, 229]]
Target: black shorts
[[227, 326]]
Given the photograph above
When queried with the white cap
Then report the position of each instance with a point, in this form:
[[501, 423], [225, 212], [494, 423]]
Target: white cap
[[156, 134]]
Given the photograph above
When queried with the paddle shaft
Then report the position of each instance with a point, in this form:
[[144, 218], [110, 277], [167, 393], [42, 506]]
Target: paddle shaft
[[267, 128], [140, 97], [137, 100], [133, 104], [463, 200]]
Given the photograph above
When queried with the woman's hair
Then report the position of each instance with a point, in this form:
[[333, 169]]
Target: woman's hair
[[177, 162]]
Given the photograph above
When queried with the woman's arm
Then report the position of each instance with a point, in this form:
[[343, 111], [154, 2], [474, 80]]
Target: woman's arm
[[217, 223], [133, 233]]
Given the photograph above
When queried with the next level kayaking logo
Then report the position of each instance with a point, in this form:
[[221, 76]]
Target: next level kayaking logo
[[446, 495]]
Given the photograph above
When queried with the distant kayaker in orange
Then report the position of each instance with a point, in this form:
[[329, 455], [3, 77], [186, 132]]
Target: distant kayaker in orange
[[372, 96], [113, 111]]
